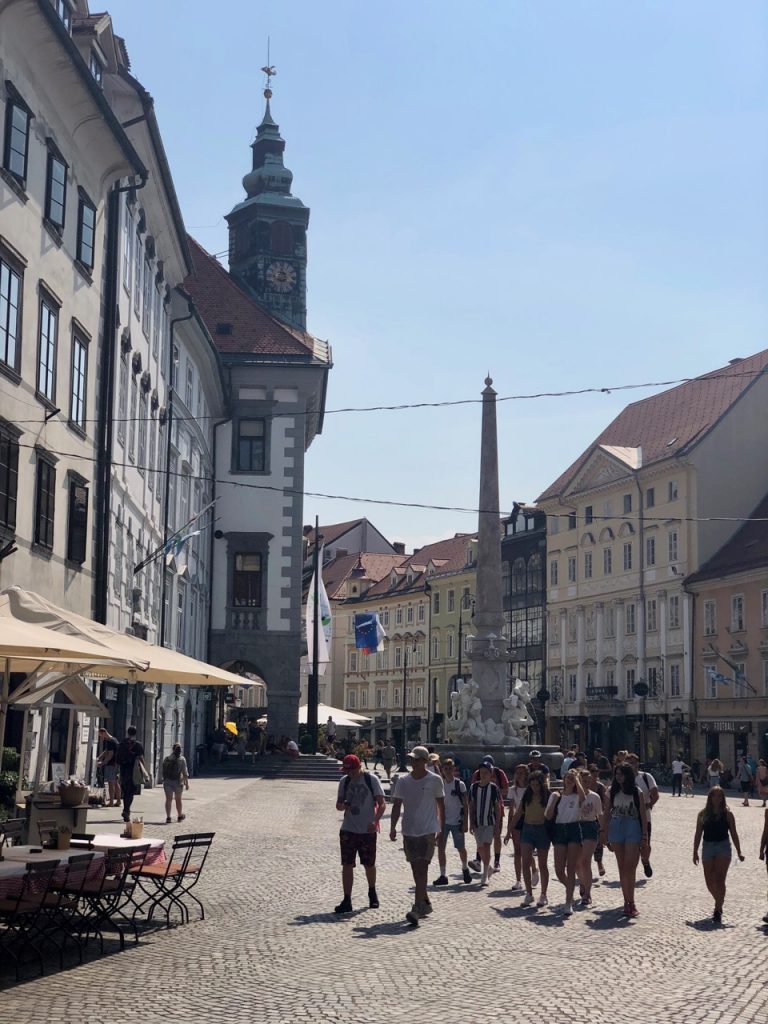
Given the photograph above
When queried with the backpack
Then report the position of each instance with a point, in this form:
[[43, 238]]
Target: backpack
[[172, 768], [369, 784]]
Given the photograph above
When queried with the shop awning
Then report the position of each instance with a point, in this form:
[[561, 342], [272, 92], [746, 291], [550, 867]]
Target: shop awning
[[25, 644], [346, 719]]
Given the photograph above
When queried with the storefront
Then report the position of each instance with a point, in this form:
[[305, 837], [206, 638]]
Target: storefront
[[728, 740]]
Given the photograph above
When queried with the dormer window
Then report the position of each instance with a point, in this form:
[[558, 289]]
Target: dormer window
[[64, 10], [96, 68]]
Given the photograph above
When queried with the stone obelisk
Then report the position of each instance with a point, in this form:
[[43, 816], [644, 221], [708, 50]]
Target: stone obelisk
[[489, 655]]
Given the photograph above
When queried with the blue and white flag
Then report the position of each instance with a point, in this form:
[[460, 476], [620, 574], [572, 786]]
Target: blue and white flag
[[369, 633]]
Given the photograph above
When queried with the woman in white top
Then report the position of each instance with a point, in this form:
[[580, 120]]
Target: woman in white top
[[565, 810], [591, 815], [713, 772], [515, 797]]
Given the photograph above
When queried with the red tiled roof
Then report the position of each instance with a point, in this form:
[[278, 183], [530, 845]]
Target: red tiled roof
[[376, 567], [747, 549], [673, 421], [221, 300], [331, 533], [450, 555]]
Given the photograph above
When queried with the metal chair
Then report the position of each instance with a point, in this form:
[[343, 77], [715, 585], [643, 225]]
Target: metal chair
[[20, 913], [169, 884], [67, 916], [13, 831], [103, 897]]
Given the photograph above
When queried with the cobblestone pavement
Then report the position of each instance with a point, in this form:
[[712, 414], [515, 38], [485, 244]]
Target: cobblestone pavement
[[271, 949]]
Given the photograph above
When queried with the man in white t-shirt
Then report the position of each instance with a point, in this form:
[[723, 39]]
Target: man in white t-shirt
[[361, 798], [678, 767], [646, 783], [456, 821], [421, 796]]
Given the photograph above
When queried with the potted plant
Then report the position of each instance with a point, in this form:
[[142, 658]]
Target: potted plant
[[63, 837]]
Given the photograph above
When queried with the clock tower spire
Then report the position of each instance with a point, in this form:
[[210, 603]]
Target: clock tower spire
[[268, 229]]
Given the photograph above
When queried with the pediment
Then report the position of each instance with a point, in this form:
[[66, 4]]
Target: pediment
[[601, 468]]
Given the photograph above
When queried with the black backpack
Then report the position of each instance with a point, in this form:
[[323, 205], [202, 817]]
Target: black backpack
[[369, 784]]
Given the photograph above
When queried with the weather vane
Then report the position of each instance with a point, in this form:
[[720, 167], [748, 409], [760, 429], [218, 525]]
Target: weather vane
[[270, 71]]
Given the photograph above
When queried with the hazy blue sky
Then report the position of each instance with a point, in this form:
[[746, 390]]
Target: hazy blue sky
[[564, 193]]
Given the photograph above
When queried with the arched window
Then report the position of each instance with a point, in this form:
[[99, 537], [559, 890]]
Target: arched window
[[535, 579], [518, 576], [281, 238]]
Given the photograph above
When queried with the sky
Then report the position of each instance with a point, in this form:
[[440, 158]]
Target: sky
[[561, 193]]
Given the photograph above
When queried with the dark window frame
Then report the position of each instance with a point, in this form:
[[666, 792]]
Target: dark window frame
[[14, 269], [9, 476], [79, 341], [45, 501], [47, 302], [55, 157], [14, 101], [252, 577], [84, 203], [77, 519], [237, 440]]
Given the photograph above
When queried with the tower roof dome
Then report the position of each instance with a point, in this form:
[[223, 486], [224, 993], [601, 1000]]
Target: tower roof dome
[[268, 173]]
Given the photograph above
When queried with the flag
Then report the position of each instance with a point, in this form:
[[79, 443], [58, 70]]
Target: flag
[[175, 545], [369, 633], [325, 631], [717, 677]]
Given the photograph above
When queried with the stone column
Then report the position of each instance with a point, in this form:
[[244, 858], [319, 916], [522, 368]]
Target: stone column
[[661, 605], [686, 684], [640, 628], [563, 639], [580, 633], [618, 625], [599, 628]]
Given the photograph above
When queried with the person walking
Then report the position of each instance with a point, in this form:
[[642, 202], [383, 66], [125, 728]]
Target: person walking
[[564, 811], [516, 793], [456, 822], [714, 772], [746, 779], [646, 783], [175, 781], [535, 835], [388, 757], [377, 754], [485, 804], [421, 797], [361, 798], [502, 784], [678, 768], [625, 826], [133, 771], [591, 812], [716, 824], [597, 786], [761, 777], [108, 764]]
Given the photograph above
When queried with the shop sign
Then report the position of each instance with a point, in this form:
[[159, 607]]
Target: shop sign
[[602, 692], [110, 693], [726, 727]]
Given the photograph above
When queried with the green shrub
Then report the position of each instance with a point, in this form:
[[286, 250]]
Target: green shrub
[[10, 760], [305, 744], [8, 784]]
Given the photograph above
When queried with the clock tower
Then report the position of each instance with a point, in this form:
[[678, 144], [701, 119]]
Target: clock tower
[[268, 229]]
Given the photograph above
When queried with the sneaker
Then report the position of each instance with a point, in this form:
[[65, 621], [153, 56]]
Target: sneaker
[[496, 867], [412, 917], [567, 909], [529, 900], [373, 899], [625, 911], [467, 876], [181, 817], [586, 901], [542, 901], [717, 916], [425, 908], [535, 877], [442, 880], [632, 911], [167, 821], [517, 887], [647, 869], [345, 907], [474, 864]]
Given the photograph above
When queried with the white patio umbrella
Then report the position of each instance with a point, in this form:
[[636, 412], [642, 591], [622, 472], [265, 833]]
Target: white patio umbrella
[[341, 717]]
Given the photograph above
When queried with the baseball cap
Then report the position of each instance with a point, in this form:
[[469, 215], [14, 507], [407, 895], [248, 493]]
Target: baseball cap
[[488, 759], [535, 753], [419, 754], [350, 763], [434, 758], [485, 764]]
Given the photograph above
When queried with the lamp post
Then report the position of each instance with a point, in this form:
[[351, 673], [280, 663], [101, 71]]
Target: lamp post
[[404, 745], [641, 690]]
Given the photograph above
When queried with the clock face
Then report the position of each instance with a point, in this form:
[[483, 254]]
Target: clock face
[[281, 277]]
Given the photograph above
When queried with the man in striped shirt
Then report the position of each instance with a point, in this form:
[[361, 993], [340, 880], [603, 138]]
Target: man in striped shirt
[[484, 812]]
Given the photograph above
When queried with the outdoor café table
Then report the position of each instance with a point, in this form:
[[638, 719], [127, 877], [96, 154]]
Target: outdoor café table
[[15, 860], [106, 841]]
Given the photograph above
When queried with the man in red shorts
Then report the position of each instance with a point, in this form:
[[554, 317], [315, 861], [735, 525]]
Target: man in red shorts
[[361, 798]]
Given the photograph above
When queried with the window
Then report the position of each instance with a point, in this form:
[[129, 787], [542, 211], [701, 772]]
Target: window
[[451, 600], [86, 231], [672, 490], [56, 190], [251, 448], [609, 621], [435, 647], [466, 599], [674, 612], [152, 455], [138, 260], [398, 616], [122, 399], [650, 551], [246, 581], [45, 499], [385, 617], [607, 561], [449, 645], [571, 520], [157, 322], [117, 576], [133, 416], [352, 694], [630, 682], [627, 557], [554, 525], [421, 612], [16, 145], [77, 396], [589, 624], [629, 619], [627, 503], [607, 509], [587, 565], [46, 361], [650, 497], [572, 683], [436, 603], [96, 68], [588, 515], [142, 425], [673, 545], [398, 657], [409, 614], [381, 697], [146, 311], [572, 627], [281, 238], [77, 531], [535, 573], [127, 248], [740, 679], [737, 613], [710, 618], [610, 677], [396, 697], [572, 569], [674, 680], [363, 699], [711, 681], [419, 696], [553, 570], [9, 476], [10, 315], [64, 11], [651, 612], [764, 607]]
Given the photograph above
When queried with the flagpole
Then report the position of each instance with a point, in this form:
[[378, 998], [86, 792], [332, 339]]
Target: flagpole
[[312, 684]]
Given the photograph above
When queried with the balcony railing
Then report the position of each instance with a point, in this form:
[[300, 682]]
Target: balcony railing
[[245, 618]]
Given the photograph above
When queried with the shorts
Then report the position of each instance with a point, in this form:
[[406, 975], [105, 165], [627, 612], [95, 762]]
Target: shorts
[[624, 830], [590, 831], [745, 786], [484, 834], [109, 772], [569, 832], [354, 843], [172, 788], [721, 848], [419, 848], [536, 835], [455, 832]]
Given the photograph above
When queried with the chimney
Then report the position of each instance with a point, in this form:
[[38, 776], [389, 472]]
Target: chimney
[[399, 547]]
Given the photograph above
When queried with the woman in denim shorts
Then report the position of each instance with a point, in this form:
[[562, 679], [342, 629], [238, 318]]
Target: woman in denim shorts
[[717, 827], [625, 826], [564, 809], [535, 834]]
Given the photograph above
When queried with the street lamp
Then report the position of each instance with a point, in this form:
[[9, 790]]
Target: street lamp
[[641, 690], [404, 745]]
